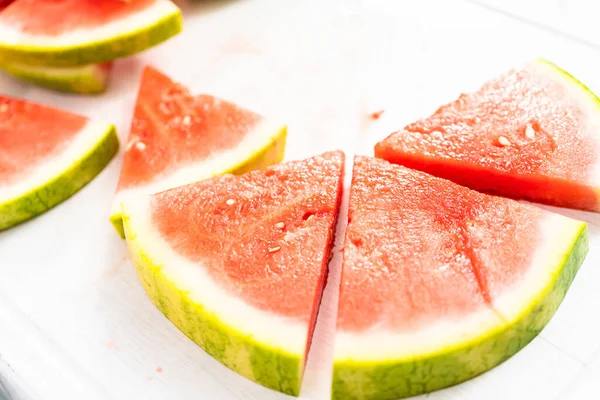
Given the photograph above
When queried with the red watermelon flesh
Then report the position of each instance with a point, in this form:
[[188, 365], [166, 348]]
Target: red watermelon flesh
[[419, 249], [171, 129], [532, 133], [265, 236], [42, 133], [32, 16]]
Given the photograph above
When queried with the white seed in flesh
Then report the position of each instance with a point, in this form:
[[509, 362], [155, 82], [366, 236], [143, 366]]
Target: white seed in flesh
[[503, 141]]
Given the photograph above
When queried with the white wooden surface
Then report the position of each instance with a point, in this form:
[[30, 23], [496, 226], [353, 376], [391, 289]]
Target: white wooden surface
[[75, 323]]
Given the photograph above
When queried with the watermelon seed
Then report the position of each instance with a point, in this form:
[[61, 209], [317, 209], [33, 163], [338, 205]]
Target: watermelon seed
[[274, 249], [529, 132], [280, 225], [230, 202], [503, 141], [140, 146], [187, 120]]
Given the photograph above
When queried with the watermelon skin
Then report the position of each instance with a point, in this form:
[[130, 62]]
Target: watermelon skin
[[88, 79], [580, 193], [99, 51], [63, 186], [271, 367], [394, 379]]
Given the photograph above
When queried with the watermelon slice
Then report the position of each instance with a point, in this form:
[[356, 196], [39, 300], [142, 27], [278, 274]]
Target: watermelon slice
[[532, 134], [441, 283], [78, 32], [177, 139], [88, 79], [46, 155], [238, 263]]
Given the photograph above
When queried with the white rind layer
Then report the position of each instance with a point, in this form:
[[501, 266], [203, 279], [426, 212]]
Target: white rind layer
[[585, 101], [193, 278], [221, 162], [12, 36], [84, 142], [558, 235]]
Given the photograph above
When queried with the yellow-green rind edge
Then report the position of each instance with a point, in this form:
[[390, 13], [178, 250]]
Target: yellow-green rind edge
[[42, 198], [101, 51], [570, 78], [395, 379], [82, 80], [271, 367], [271, 154]]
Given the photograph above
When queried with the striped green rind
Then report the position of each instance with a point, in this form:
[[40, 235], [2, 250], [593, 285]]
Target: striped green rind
[[271, 367], [88, 79], [272, 153], [103, 50], [58, 189], [394, 379]]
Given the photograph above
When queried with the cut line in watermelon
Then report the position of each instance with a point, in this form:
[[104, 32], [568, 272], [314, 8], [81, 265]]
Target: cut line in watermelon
[[83, 31], [431, 298], [532, 133], [88, 79], [46, 155], [177, 138], [222, 257]]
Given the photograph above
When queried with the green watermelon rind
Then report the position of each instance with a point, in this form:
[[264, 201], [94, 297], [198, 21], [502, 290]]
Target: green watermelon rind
[[271, 367], [394, 379], [569, 79], [108, 49], [44, 197], [271, 153], [80, 80]]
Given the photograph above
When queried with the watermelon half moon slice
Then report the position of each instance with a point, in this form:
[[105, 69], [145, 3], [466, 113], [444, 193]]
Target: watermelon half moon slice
[[46, 155], [532, 133], [238, 263], [87, 79], [177, 138], [441, 283], [78, 32]]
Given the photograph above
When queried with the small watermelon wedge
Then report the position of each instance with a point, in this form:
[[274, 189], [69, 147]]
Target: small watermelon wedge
[[67, 33], [177, 139], [238, 263], [441, 283], [46, 155], [87, 79], [532, 133]]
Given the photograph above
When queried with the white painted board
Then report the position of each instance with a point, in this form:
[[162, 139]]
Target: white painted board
[[75, 323]]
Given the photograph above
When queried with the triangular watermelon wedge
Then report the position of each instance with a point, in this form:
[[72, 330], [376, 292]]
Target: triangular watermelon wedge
[[441, 283], [177, 138], [46, 155], [238, 263], [68, 33], [532, 133], [87, 79]]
